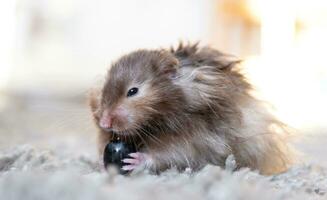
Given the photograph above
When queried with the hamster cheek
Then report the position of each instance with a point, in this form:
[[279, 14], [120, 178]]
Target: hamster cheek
[[120, 118]]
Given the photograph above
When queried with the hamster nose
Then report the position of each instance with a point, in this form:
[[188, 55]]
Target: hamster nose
[[106, 122]]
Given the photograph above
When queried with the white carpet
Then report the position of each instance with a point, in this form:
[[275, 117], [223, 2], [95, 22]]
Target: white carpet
[[34, 174]]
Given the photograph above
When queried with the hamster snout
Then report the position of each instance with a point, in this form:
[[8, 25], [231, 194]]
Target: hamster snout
[[114, 120], [106, 120]]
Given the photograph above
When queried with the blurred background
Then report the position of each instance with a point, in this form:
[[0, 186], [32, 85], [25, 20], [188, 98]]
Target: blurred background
[[53, 51]]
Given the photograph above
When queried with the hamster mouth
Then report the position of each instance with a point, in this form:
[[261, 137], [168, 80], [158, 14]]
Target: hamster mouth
[[108, 129], [124, 132], [118, 132]]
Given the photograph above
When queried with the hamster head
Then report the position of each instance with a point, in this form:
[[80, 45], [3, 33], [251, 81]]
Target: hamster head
[[139, 89]]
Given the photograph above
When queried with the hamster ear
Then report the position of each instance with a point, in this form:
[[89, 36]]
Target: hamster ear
[[94, 101], [168, 66], [169, 71]]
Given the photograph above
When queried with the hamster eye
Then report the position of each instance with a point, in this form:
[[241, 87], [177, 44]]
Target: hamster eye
[[132, 91]]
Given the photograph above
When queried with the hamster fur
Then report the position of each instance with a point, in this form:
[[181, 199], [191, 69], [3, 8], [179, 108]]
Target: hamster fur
[[193, 107]]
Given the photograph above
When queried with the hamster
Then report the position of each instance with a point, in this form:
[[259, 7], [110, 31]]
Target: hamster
[[187, 107]]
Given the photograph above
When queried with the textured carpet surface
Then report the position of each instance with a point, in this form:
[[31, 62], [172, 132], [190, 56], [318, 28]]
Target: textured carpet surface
[[29, 173]]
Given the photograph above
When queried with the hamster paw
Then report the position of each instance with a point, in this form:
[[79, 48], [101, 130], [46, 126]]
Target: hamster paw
[[137, 159]]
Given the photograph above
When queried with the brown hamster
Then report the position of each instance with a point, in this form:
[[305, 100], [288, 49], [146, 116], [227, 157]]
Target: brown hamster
[[188, 107]]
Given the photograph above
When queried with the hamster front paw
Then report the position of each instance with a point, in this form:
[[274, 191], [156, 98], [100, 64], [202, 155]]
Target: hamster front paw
[[137, 159]]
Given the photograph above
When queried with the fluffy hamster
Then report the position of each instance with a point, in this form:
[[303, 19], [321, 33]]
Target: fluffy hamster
[[185, 108]]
